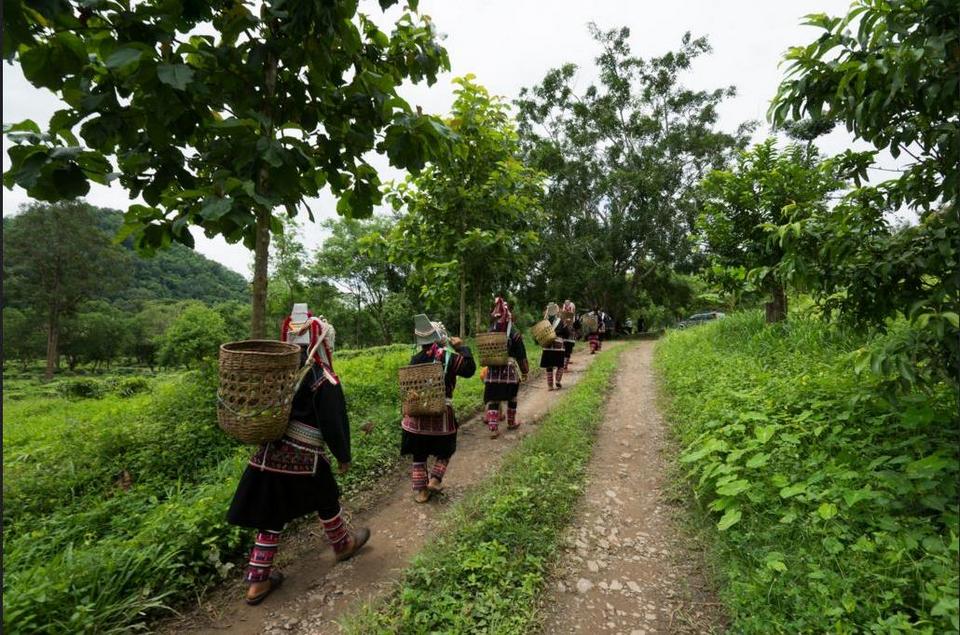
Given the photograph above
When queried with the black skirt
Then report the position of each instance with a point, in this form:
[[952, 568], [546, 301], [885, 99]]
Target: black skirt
[[500, 392], [568, 348], [270, 500], [441, 446], [552, 358]]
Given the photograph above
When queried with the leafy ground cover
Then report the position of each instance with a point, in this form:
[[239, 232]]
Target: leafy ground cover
[[114, 498], [835, 500], [485, 570]]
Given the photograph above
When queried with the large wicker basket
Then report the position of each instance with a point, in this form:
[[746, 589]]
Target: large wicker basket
[[257, 382], [422, 389], [543, 332], [493, 348], [589, 324]]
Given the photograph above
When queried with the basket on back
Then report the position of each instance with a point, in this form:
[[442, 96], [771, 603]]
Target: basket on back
[[257, 382], [492, 348], [422, 389], [543, 332], [567, 315], [589, 323]]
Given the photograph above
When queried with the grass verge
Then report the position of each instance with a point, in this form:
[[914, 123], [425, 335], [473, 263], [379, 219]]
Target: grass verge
[[829, 502], [484, 572]]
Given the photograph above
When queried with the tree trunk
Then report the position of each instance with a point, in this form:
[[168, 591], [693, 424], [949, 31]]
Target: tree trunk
[[777, 308], [53, 337], [258, 326], [479, 325], [463, 301], [258, 323]]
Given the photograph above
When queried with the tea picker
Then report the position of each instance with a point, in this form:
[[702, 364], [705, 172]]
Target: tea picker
[[503, 353], [285, 397], [553, 358], [429, 425]]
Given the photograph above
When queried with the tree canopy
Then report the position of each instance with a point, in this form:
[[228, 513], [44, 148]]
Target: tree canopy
[[218, 131]]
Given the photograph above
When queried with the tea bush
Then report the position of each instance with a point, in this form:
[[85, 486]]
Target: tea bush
[[835, 500]]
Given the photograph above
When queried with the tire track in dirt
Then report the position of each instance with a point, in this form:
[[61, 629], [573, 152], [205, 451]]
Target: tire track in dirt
[[316, 593], [626, 566]]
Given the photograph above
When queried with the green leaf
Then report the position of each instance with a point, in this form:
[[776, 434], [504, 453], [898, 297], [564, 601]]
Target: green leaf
[[793, 490], [734, 488], [215, 208], [827, 511], [175, 75], [758, 460], [730, 518], [122, 58]]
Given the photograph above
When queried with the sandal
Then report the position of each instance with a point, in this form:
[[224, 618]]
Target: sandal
[[276, 581]]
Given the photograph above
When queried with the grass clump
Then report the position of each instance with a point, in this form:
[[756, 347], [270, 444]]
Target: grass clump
[[484, 573], [834, 499]]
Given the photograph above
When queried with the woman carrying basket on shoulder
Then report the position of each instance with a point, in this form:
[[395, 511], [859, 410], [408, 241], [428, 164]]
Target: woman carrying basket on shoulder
[[502, 383], [553, 357], [434, 435], [292, 477]]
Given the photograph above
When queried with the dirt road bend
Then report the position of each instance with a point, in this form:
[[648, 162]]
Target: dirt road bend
[[626, 566], [316, 593]]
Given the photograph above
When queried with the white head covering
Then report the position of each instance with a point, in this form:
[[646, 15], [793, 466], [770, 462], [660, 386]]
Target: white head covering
[[428, 332]]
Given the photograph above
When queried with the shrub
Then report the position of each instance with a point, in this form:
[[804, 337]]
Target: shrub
[[835, 501], [129, 386], [83, 388]]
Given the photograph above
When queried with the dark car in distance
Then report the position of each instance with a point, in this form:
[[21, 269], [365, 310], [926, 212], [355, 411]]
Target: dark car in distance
[[700, 318]]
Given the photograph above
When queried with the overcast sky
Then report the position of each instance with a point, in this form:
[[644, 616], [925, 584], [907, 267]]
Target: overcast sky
[[510, 44]]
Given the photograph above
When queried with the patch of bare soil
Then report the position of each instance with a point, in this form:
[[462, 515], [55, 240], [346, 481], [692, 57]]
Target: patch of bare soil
[[315, 592], [626, 566]]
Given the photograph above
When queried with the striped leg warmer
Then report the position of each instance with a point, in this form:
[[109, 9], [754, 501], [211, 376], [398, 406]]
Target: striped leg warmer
[[549, 378], [512, 415], [261, 556], [418, 474], [439, 469], [492, 418], [337, 533], [559, 376]]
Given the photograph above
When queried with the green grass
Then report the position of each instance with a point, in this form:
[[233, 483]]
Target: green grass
[[830, 503], [114, 506], [484, 572]]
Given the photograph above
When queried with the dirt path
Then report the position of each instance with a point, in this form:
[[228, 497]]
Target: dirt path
[[316, 593], [626, 567]]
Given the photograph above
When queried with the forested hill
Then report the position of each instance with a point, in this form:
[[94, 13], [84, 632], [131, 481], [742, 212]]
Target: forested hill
[[177, 273]]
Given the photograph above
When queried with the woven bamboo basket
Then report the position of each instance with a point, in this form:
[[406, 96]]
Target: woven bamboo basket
[[258, 379], [543, 332], [589, 323], [567, 315], [422, 389], [492, 348]]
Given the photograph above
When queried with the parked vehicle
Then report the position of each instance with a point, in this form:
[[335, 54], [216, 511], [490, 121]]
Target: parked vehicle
[[700, 318]]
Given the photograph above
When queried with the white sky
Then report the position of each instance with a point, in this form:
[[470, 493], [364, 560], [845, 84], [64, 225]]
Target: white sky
[[510, 44]]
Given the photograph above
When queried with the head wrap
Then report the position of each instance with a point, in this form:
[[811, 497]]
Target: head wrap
[[501, 314], [428, 332], [315, 329]]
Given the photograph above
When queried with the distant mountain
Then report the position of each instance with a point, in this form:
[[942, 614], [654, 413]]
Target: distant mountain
[[177, 273]]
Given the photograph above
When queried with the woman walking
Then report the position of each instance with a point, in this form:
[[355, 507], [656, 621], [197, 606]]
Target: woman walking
[[553, 357], [292, 477], [424, 436], [502, 383]]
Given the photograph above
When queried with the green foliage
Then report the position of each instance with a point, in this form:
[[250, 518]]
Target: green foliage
[[835, 506], [767, 185], [55, 258], [888, 71], [891, 78], [24, 338], [265, 109], [472, 222], [115, 506], [195, 334], [485, 572], [622, 157]]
